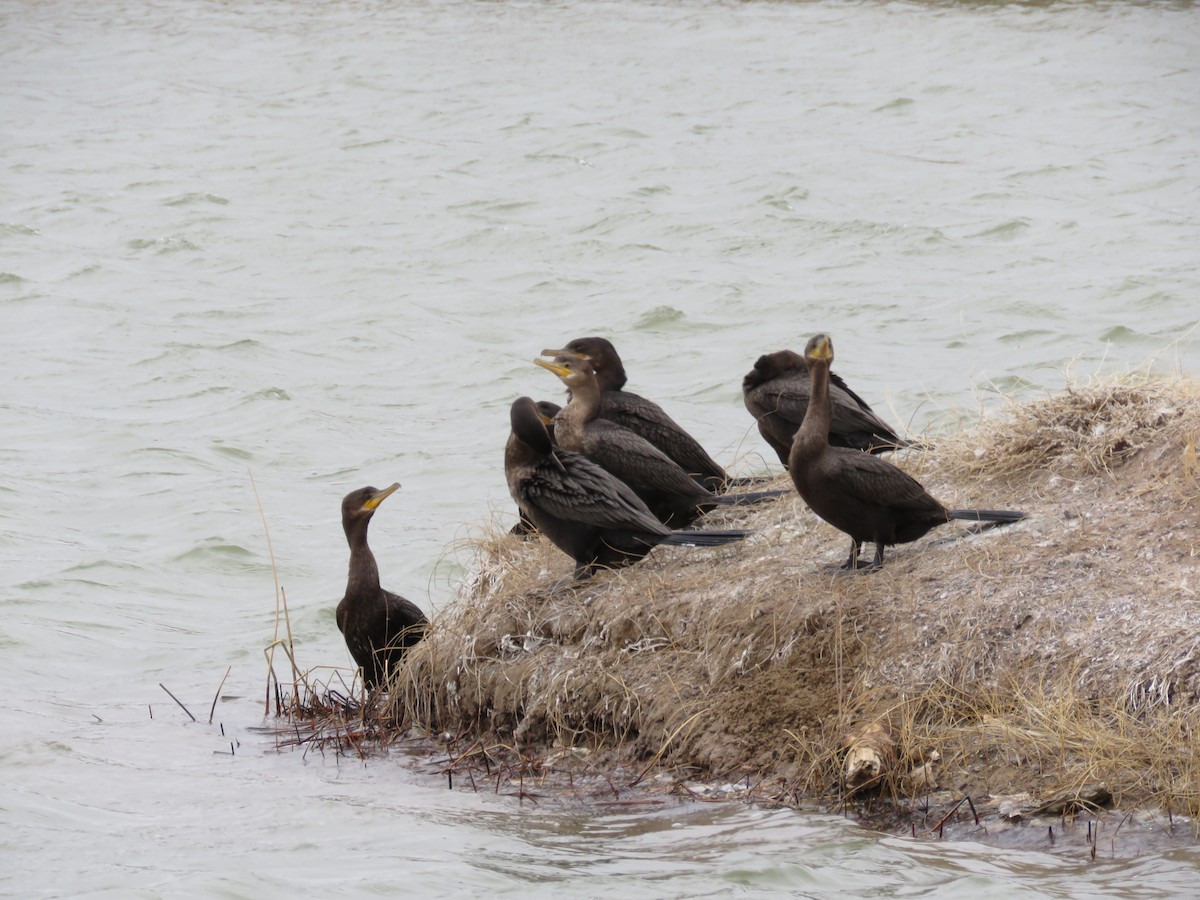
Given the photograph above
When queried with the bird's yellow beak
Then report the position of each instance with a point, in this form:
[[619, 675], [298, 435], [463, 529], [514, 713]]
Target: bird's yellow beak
[[374, 502], [559, 370], [822, 349]]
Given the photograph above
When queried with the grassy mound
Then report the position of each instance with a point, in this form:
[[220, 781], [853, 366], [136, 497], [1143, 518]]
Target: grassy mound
[[1058, 659]]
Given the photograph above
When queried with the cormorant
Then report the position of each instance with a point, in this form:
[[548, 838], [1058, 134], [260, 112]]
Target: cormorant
[[590, 515], [644, 417], [776, 392], [863, 495], [674, 497], [546, 412], [378, 626]]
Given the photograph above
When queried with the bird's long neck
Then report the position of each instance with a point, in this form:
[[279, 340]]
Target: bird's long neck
[[517, 452], [814, 430], [583, 408], [363, 575]]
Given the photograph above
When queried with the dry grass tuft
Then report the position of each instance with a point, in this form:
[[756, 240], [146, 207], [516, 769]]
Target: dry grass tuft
[[1087, 430], [1040, 746]]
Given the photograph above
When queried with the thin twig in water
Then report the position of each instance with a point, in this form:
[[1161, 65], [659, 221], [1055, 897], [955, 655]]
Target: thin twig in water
[[291, 645], [973, 812], [213, 709], [946, 817], [177, 700], [278, 594]]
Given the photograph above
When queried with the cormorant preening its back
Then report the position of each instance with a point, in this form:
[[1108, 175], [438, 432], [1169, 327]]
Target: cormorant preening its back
[[378, 626], [670, 493], [776, 392], [593, 517], [546, 411], [641, 416], [863, 495]]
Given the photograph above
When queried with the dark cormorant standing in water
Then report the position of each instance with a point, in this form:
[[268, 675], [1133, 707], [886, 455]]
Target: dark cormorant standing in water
[[641, 416], [776, 393], [863, 495], [674, 497], [591, 516], [378, 626]]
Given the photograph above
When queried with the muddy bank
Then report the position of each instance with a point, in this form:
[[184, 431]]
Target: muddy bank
[[1040, 670]]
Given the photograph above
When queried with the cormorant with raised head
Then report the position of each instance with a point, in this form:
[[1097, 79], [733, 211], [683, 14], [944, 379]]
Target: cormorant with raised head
[[378, 626], [590, 515], [641, 416], [776, 392], [863, 495], [674, 497]]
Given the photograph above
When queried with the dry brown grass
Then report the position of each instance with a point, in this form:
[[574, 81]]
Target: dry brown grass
[[1029, 662], [1042, 747]]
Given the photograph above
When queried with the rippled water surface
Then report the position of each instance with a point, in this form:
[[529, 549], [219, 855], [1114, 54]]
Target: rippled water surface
[[318, 244]]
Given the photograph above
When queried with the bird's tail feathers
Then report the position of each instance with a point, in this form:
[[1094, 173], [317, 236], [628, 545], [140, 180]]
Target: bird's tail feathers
[[714, 538], [988, 515], [881, 444], [750, 497], [748, 481]]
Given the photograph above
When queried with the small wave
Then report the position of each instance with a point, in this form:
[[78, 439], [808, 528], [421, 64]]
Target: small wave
[[652, 248], [1028, 334], [216, 549], [785, 199], [101, 564], [632, 133], [37, 584], [85, 271], [1009, 384], [1008, 229], [233, 452], [364, 145], [1119, 334], [660, 315], [220, 312], [162, 245], [1040, 172], [240, 344], [186, 199]]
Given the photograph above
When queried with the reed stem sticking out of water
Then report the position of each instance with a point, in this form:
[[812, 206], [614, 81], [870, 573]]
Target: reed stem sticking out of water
[[281, 611]]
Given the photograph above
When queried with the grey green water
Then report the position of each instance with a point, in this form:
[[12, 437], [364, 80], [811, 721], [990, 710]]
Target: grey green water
[[318, 244]]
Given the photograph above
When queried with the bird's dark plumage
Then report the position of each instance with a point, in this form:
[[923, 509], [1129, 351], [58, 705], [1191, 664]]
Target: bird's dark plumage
[[378, 626], [776, 392], [670, 493], [593, 517], [863, 495], [641, 416], [546, 411]]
